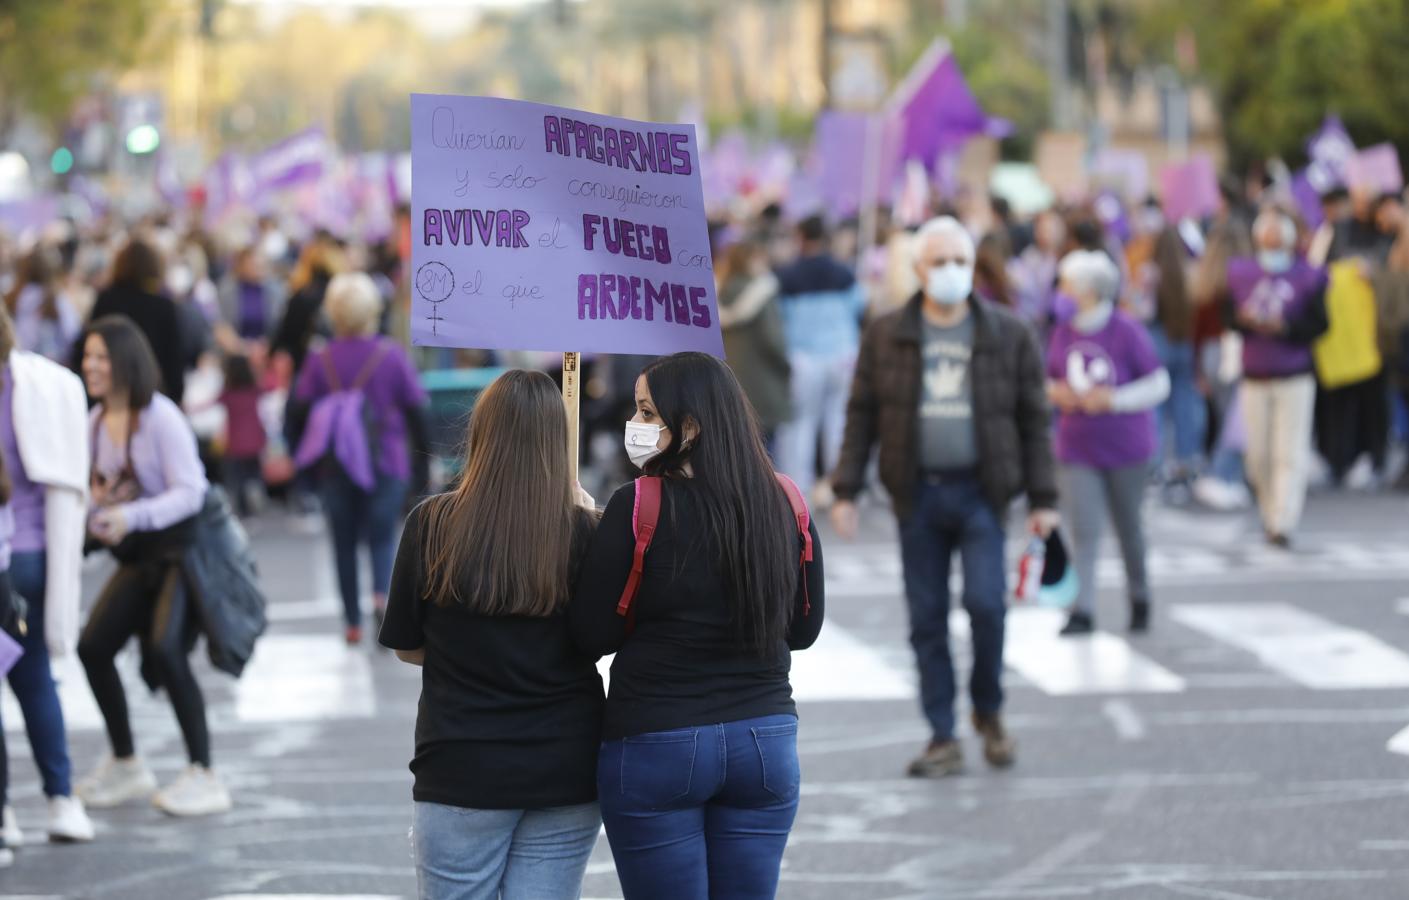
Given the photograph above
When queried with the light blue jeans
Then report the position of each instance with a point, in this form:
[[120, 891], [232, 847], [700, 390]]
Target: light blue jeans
[[820, 388], [514, 854]]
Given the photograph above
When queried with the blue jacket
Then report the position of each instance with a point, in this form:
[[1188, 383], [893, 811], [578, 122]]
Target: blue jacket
[[822, 305]]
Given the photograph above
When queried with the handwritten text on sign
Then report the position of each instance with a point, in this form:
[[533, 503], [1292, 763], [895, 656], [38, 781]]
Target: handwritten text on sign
[[541, 228]]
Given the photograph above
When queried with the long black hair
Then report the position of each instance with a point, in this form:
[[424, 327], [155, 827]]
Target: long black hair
[[748, 519], [134, 365]]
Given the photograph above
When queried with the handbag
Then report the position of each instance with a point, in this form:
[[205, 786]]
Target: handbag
[[12, 625]]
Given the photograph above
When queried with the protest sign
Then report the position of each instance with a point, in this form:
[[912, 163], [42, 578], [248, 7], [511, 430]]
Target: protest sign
[[1189, 189], [1375, 169], [541, 228]]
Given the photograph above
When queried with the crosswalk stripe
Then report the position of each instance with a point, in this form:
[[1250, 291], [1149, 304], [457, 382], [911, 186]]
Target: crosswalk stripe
[[302, 677], [1100, 663], [1400, 742], [1312, 651]]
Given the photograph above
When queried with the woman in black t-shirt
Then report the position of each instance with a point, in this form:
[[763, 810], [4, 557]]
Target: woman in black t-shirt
[[698, 775], [510, 714]]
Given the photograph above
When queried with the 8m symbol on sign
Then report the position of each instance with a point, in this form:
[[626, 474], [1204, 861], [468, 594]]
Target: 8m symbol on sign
[[434, 282]]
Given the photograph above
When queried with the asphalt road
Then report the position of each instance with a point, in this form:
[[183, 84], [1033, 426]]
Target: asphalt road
[[1244, 749]]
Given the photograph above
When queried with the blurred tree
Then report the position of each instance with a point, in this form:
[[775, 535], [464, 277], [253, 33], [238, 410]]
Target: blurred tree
[[1279, 66], [51, 51]]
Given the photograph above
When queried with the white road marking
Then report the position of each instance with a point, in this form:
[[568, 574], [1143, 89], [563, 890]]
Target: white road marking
[[1126, 721], [1312, 651], [1100, 663], [305, 677], [1399, 743], [1402, 606]]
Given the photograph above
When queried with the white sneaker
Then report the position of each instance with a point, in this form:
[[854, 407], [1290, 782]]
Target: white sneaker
[[68, 821], [196, 792], [115, 782], [7, 857], [10, 834], [1220, 495]]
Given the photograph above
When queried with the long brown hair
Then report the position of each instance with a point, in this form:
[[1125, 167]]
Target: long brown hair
[[1173, 307], [501, 543], [40, 267]]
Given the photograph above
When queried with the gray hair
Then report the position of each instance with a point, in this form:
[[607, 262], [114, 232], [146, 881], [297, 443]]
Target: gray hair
[[1091, 270], [941, 226], [1270, 215], [354, 304]]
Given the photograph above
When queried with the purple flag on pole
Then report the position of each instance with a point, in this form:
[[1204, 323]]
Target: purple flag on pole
[[1330, 149], [1308, 199], [940, 112], [292, 161]]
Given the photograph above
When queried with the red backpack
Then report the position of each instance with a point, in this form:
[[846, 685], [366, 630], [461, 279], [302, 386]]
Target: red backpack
[[647, 513]]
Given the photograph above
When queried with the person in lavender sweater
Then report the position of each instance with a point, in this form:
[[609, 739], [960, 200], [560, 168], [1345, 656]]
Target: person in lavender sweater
[[43, 474], [357, 360], [147, 488], [1105, 379]]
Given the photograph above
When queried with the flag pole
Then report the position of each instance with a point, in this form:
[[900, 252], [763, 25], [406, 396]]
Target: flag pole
[[572, 402]]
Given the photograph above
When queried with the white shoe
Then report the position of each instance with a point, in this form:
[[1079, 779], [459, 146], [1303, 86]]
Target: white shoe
[[1220, 495], [117, 781], [196, 792], [68, 821], [10, 834], [7, 857]]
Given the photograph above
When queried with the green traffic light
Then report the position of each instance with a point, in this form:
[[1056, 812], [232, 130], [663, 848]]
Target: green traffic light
[[62, 161], [143, 139]]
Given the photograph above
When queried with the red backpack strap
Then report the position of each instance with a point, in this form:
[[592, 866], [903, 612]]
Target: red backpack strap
[[804, 521], [643, 522]]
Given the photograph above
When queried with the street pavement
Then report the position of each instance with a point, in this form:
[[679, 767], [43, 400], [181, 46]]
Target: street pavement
[[1254, 745]]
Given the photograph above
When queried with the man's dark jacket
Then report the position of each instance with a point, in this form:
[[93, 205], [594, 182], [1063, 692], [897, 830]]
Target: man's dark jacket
[[1012, 424]]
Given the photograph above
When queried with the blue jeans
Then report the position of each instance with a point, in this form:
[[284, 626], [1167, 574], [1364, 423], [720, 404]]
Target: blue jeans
[[820, 388], [702, 812], [1184, 413], [33, 682], [355, 516], [514, 854], [949, 515]]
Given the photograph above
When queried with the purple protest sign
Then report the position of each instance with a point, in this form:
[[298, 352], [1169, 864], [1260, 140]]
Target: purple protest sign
[[292, 161], [536, 227], [1375, 169], [1308, 200], [838, 159], [1330, 149], [1189, 189]]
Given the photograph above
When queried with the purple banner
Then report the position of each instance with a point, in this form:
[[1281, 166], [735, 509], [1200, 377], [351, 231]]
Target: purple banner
[[1308, 199], [839, 159], [1375, 169], [292, 161], [1330, 149], [1189, 189], [536, 227]]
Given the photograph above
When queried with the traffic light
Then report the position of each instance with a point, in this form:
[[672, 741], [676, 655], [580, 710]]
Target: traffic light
[[61, 163], [143, 140]]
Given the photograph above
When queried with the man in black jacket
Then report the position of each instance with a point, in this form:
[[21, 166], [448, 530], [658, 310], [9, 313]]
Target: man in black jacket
[[952, 390]]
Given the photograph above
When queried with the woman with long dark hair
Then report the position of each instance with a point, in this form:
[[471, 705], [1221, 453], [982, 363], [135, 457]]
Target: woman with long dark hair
[[698, 774], [45, 321], [1182, 418], [137, 290], [148, 486], [510, 712]]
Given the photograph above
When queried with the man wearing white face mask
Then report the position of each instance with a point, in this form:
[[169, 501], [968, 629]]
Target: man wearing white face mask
[[951, 389], [1279, 304]]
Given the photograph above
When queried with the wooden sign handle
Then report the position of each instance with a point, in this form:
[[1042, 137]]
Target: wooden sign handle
[[572, 401]]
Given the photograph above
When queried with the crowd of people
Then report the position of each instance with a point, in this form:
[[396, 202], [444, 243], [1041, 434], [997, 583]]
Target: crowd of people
[[1080, 360]]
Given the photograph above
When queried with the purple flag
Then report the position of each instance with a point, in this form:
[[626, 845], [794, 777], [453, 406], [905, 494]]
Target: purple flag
[[937, 110], [1376, 169], [1330, 149], [1308, 199], [1189, 189], [292, 161], [535, 227]]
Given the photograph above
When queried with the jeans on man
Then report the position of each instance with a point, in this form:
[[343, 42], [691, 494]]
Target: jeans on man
[[701, 812], [502, 854], [33, 682], [949, 514], [356, 516]]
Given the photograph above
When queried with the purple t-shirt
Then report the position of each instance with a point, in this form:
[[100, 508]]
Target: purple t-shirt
[[1280, 297], [392, 388], [26, 497], [1118, 354]]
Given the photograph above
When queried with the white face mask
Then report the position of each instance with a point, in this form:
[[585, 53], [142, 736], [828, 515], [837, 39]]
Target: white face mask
[[1275, 261], [950, 283], [641, 440]]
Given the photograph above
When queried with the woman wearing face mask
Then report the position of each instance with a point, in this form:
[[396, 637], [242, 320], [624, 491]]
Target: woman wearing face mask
[[510, 712], [1105, 379], [1279, 305], [698, 774], [147, 488]]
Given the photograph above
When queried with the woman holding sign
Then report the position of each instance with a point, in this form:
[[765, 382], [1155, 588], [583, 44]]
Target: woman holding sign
[[701, 578], [510, 712]]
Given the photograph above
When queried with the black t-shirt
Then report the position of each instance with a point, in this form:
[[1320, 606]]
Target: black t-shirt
[[681, 666], [510, 712]]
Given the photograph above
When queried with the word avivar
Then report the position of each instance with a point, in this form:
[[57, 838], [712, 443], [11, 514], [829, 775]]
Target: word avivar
[[493, 227]]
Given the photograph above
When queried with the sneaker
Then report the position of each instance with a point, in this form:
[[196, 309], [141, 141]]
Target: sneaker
[[1280, 541], [115, 782], [1139, 618], [1078, 624], [10, 834], [68, 821], [196, 792], [7, 856], [940, 759], [998, 748], [353, 634], [1220, 495]]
